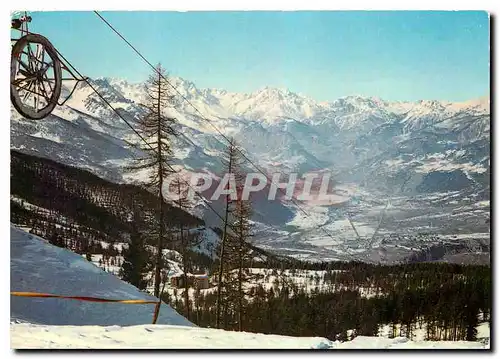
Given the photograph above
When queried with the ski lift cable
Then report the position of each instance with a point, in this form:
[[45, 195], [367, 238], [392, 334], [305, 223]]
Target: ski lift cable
[[135, 131], [379, 223], [221, 134], [353, 227], [187, 100], [148, 144], [204, 118]]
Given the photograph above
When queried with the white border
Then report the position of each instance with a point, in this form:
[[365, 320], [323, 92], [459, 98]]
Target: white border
[[183, 5], [187, 5]]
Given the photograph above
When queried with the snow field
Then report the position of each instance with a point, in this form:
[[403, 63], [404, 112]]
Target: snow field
[[30, 336]]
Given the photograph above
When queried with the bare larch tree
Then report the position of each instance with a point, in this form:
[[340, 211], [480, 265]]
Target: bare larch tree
[[230, 162], [157, 128]]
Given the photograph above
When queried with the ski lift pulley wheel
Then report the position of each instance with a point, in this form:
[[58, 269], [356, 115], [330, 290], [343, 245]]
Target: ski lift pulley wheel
[[35, 76]]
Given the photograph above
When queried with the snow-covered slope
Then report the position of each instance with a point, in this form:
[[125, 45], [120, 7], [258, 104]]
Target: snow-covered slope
[[37, 266], [29, 336], [38, 323]]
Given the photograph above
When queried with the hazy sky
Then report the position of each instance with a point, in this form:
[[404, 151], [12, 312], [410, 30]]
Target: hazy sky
[[324, 55]]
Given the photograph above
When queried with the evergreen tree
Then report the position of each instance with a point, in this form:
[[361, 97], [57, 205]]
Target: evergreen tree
[[238, 251], [157, 127], [186, 240], [135, 264]]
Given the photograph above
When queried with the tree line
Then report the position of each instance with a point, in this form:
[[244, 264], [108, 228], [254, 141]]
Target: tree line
[[447, 303], [75, 209]]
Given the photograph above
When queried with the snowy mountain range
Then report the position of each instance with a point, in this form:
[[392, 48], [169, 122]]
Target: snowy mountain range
[[413, 169]]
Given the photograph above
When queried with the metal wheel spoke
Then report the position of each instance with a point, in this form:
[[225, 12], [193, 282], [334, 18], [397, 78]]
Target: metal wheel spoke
[[26, 74], [23, 87], [48, 81], [30, 58], [33, 104], [42, 94], [28, 93], [18, 81], [21, 62], [42, 56], [48, 66], [44, 91], [35, 97], [34, 59], [33, 92], [45, 66], [39, 96], [38, 54]]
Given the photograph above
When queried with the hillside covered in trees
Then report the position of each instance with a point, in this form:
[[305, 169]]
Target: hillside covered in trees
[[447, 301], [76, 209]]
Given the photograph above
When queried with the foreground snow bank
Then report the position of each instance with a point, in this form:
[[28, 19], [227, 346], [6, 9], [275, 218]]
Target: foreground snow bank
[[37, 266], [30, 336], [405, 343]]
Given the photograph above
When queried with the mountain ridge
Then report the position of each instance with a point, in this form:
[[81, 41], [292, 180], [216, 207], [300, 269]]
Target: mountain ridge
[[482, 101], [374, 149]]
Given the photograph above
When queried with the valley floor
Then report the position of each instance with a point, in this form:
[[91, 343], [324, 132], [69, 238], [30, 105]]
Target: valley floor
[[31, 336]]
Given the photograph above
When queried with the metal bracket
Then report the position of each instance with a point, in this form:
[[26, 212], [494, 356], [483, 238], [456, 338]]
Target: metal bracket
[[64, 67], [73, 90]]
